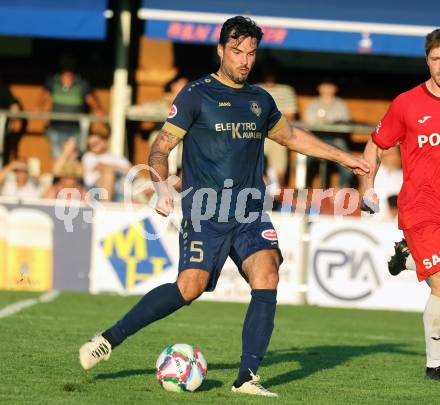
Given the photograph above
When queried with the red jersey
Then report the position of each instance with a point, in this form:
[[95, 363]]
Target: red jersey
[[413, 121]]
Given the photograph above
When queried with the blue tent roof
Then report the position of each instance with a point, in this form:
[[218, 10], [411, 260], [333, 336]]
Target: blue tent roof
[[78, 19], [375, 26]]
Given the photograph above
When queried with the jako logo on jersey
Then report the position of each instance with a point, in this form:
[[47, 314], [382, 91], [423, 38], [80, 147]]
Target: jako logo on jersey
[[431, 261], [239, 130], [173, 111], [255, 108], [433, 139], [424, 119], [224, 104], [134, 258], [269, 234]]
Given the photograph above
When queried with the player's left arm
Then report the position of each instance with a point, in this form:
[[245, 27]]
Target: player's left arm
[[302, 141]]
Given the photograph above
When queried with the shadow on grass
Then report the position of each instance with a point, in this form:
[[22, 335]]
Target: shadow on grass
[[208, 385], [313, 359], [124, 373]]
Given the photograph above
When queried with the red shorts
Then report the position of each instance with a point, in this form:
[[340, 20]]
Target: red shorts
[[424, 243]]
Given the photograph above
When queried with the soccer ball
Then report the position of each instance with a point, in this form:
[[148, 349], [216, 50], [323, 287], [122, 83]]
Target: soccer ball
[[181, 367]]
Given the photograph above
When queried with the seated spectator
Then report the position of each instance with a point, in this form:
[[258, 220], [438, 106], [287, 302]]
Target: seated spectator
[[388, 181], [285, 99], [69, 93], [104, 170], [15, 181], [327, 108], [68, 184], [68, 156]]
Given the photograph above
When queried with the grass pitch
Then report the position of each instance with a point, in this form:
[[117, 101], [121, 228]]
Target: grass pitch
[[316, 356]]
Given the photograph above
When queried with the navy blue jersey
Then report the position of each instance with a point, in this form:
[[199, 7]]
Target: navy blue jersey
[[223, 129]]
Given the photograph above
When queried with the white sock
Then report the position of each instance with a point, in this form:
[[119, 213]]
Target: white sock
[[410, 263], [431, 322]]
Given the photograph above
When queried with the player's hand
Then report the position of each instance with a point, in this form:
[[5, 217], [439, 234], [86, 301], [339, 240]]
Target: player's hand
[[370, 202], [165, 204], [359, 166]]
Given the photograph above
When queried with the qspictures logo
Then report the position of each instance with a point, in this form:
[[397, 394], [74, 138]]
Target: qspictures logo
[[344, 266]]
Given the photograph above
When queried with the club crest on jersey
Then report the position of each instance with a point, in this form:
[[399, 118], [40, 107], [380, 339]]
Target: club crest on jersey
[[255, 108], [269, 234], [173, 111]]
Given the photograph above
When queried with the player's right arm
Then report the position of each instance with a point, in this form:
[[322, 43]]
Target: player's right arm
[[373, 155], [164, 143], [183, 113]]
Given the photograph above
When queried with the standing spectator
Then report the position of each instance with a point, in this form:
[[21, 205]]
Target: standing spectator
[[13, 126], [327, 108], [285, 98], [15, 181], [69, 93], [103, 169]]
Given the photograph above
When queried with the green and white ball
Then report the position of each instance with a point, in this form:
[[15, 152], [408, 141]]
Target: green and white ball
[[181, 367]]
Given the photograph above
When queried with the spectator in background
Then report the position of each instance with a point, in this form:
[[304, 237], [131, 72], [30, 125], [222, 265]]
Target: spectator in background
[[68, 184], [327, 108], [160, 109], [13, 126], [172, 89], [103, 169], [392, 207], [69, 93], [15, 181], [388, 181], [285, 99]]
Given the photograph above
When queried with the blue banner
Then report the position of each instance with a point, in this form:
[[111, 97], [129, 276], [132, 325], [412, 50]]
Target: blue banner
[[372, 27], [79, 19]]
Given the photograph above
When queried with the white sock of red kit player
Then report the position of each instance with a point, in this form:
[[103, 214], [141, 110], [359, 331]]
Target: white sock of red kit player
[[431, 322], [410, 264]]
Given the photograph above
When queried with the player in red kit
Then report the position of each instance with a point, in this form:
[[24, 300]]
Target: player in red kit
[[413, 122]]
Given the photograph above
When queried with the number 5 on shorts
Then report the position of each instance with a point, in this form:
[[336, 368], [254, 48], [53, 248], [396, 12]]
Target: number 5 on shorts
[[196, 249]]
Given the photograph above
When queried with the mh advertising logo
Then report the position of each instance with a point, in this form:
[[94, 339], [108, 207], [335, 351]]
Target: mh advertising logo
[[344, 266], [134, 258]]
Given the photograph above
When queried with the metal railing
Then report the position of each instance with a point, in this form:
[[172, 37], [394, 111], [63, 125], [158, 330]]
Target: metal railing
[[335, 128], [83, 119]]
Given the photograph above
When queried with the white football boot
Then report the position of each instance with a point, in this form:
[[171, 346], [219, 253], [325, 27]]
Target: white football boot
[[92, 352], [253, 387]]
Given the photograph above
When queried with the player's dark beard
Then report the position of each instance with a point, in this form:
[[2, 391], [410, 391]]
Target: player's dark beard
[[229, 73]]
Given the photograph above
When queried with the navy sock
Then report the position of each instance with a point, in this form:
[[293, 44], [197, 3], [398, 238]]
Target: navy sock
[[257, 329], [156, 304]]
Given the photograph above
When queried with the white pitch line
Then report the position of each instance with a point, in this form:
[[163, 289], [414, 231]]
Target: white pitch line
[[20, 305]]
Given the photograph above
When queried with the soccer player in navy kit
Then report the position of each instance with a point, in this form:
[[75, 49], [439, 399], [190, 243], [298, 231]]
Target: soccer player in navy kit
[[223, 122]]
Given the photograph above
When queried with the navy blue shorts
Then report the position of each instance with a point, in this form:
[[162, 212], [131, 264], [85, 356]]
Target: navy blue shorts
[[209, 248]]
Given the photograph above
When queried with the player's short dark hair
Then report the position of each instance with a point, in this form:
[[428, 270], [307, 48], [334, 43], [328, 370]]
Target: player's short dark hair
[[240, 26], [432, 41]]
